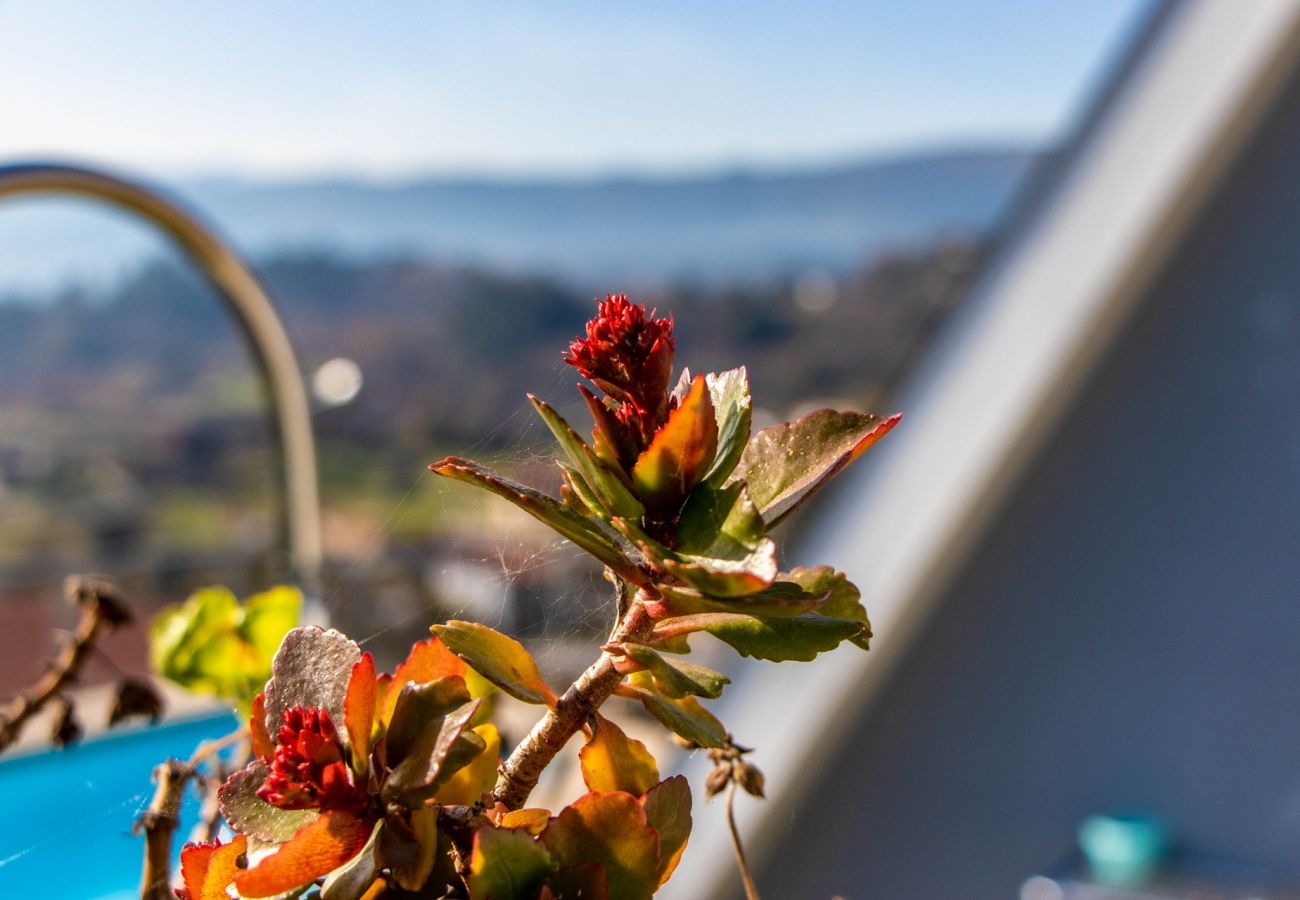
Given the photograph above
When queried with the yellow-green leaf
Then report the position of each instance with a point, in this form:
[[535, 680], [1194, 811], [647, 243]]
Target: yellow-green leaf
[[616, 496], [611, 761], [685, 717], [674, 678], [771, 638], [500, 659], [467, 785], [730, 394], [506, 864], [667, 808]]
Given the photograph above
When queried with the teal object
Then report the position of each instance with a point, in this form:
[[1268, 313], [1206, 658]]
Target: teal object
[[66, 829], [1122, 850]]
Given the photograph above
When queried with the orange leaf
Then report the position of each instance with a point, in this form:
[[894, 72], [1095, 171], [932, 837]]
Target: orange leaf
[[531, 820], [667, 808], [263, 746], [429, 660], [680, 453], [208, 869], [317, 849], [611, 761], [612, 830], [359, 709]]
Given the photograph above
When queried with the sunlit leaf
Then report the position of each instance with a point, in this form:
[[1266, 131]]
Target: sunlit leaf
[[250, 815], [685, 717], [614, 495], [311, 668], [428, 661], [467, 785], [356, 876], [208, 869], [843, 600], [781, 598], [427, 740], [674, 677], [500, 659], [668, 810], [531, 820], [260, 740], [728, 577], [611, 761], [578, 529], [786, 464], [730, 393], [359, 710], [506, 864], [609, 441], [676, 459], [213, 644], [775, 639], [317, 849], [609, 829]]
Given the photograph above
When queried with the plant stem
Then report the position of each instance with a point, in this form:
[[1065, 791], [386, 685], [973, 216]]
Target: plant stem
[[101, 607], [520, 772], [751, 889]]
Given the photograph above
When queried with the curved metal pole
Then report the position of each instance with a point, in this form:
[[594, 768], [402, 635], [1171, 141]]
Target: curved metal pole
[[257, 318]]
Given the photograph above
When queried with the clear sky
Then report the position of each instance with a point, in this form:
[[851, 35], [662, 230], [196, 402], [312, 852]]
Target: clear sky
[[496, 86]]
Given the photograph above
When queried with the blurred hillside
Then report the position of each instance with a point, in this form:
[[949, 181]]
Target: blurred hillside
[[732, 226]]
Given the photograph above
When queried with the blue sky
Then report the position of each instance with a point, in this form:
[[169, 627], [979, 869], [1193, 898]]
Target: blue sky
[[569, 86]]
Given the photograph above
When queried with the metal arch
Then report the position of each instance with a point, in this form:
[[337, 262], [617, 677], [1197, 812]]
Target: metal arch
[[257, 318]]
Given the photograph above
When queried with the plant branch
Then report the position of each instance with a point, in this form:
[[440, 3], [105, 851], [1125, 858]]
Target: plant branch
[[751, 889], [163, 817], [101, 607], [518, 775]]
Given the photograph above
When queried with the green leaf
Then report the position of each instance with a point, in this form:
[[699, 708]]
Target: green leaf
[[784, 465], [775, 639], [506, 864], [250, 815], [730, 394], [843, 600], [604, 482], [677, 457], [782, 599], [719, 522], [674, 677], [611, 761], [667, 808], [727, 577], [500, 659], [685, 717], [584, 533], [211, 644], [611, 830]]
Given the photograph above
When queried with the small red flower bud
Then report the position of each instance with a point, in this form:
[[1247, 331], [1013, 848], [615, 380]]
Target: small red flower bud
[[309, 769], [628, 354]]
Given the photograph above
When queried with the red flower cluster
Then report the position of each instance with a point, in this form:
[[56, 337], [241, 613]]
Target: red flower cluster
[[628, 354], [310, 768]]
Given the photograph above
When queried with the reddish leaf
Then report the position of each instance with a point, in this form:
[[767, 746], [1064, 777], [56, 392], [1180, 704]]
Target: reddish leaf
[[208, 869], [316, 850], [667, 808], [262, 745], [428, 661], [784, 465], [359, 710], [607, 483], [609, 829], [680, 453], [611, 761]]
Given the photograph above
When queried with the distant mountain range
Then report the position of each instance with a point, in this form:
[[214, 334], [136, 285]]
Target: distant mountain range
[[744, 225]]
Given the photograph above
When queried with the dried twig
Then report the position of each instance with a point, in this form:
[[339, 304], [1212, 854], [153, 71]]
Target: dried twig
[[729, 771], [518, 775], [101, 608], [162, 818], [751, 889]]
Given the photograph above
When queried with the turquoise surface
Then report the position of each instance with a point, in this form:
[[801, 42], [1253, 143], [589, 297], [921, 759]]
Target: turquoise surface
[[65, 831]]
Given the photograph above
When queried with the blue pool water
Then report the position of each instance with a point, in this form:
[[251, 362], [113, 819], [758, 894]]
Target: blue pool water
[[66, 827]]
